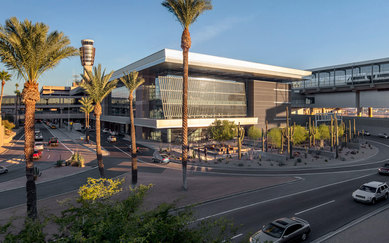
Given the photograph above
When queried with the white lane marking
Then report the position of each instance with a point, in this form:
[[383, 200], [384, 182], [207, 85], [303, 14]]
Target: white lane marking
[[351, 224], [277, 198], [129, 155], [309, 209], [236, 236], [48, 157], [48, 129]]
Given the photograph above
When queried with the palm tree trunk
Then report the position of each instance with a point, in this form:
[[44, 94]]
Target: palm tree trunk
[[1, 98], [134, 162], [185, 45], [87, 127], [30, 96], [98, 141]]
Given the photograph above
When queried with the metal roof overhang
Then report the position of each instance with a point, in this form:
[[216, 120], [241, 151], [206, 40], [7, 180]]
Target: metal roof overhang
[[176, 123], [350, 65], [201, 64]]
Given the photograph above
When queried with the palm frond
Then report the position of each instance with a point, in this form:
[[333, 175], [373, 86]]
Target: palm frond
[[97, 84], [30, 50], [132, 81], [4, 75], [187, 11]]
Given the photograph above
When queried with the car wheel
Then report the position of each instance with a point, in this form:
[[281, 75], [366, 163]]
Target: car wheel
[[304, 237], [373, 201], [6, 171]]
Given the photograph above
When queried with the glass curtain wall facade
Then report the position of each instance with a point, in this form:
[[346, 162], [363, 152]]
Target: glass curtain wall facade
[[120, 103], [207, 98]]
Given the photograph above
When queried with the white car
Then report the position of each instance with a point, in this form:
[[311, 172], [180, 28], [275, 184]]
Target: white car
[[3, 170], [111, 139], [371, 192], [38, 136], [38, 146], [106, 130], [383, 135]]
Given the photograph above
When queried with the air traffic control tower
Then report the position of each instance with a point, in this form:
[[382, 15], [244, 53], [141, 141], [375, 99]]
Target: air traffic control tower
[[87, 54]]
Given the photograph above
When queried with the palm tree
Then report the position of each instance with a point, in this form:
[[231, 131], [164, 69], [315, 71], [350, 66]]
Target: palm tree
[[87, 108], [186, 12], [132, 81], [4, 76], [30, 50], [97, 86]]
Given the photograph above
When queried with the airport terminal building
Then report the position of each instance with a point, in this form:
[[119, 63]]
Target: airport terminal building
[[219, 88]]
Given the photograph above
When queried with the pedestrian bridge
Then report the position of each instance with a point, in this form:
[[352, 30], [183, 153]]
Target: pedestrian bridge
[[353, 85]]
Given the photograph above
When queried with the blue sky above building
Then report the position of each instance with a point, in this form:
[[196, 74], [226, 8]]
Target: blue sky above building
[[298, 34]]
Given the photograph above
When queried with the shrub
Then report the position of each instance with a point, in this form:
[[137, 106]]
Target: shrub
[[122, 221], [300, 135], [254, 133], [77, 160], [59, 163], [101, 188], [274, 136], [222, 130]]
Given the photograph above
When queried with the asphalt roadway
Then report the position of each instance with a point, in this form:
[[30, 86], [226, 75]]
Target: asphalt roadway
[[322, 195]]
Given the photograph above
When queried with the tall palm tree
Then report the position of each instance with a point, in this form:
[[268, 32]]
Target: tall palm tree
[[30, 50], [186, 12], [132, 81], [97, 86], [87, 108], [4, 76]]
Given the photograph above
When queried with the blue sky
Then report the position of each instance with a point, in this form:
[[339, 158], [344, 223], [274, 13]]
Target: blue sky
[[292, 33]]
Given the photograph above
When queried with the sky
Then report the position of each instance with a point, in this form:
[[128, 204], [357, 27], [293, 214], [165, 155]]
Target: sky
[[298, 34]]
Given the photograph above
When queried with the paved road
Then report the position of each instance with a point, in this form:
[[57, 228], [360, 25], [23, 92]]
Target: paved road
[[322, 196], [116, 164]]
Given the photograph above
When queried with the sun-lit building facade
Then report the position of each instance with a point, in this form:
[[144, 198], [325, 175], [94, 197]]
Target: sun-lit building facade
[[219, 88]]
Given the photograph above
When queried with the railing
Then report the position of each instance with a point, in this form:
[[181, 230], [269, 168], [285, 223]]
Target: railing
[[342, 80]]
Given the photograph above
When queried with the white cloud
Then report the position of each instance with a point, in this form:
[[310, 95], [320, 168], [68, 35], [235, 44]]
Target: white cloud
[[213, 30]]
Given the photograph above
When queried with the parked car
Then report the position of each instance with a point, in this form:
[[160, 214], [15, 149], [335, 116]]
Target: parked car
[[383, 135], [371, 192], [283, 230], [384, 170], [3, 170], [160, 158], [53, 141], [106, 130], [111, 139], [38, 146], [366, 133], [53, 126], [37, 154]]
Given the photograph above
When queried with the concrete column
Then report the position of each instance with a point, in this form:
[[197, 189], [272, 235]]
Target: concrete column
[[370, 111], [359, 111]]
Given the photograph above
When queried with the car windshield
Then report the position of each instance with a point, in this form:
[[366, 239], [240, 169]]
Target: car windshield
[[367, 188], [273, 230]]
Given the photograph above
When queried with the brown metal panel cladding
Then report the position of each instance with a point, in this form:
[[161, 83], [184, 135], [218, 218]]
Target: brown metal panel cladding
[[268, 101]]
